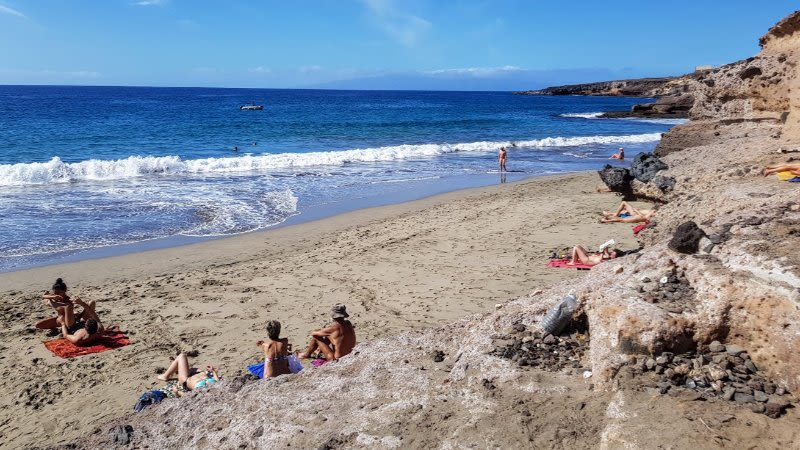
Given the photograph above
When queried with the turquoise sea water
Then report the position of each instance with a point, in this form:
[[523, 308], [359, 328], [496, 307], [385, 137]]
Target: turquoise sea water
[[89, 167]]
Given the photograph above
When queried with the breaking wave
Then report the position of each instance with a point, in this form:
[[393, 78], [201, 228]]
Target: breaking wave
[[58, 171]]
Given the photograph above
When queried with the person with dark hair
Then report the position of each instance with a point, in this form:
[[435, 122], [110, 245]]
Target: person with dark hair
[[620, 156], [189, 378], [61, 302], [276, 351], [81, 332], [627, 213], [334, 341]]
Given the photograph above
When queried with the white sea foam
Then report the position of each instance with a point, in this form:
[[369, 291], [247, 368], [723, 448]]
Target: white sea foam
[[589, 115], [58, 171], [596, 115]]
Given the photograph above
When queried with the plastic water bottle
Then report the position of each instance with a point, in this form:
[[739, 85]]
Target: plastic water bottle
[[558, 316]]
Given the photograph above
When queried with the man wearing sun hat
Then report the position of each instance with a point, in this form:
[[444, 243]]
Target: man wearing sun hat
[[334, 341]]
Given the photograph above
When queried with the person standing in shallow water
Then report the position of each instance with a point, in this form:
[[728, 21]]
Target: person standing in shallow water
[[501, 158]]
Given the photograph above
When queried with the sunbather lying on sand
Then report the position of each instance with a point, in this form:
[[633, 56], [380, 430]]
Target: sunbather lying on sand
[[80, 332], [582, 256], [276, 351], [634, 215], [189, 379], [793, 168], [334, 341]]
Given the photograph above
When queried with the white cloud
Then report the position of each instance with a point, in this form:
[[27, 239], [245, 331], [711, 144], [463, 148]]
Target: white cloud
[[11, 11], [260, 69], [476, 71], [150, 2], [404, 28], [309, 69]]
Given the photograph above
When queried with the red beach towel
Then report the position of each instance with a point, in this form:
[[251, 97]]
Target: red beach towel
[[564, 263], [640, 227], [112, 339]]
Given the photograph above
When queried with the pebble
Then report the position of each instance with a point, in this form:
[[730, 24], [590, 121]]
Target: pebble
[[758, 408], [733, 349], [743, 398], [716, 347], [760, 396]]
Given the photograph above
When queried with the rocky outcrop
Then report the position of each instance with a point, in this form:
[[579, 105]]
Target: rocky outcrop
[[639, 87]]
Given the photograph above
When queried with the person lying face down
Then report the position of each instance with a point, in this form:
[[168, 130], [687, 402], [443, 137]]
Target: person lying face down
[[629, 213], [81, 332], [581, 256], [334, 341]]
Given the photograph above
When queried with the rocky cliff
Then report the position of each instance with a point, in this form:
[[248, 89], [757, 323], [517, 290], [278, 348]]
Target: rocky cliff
[[639, 87], [674, 98], [669, 349]]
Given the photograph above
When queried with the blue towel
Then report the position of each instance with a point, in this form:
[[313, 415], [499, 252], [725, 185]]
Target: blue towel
[[257, 370], [794, 180]]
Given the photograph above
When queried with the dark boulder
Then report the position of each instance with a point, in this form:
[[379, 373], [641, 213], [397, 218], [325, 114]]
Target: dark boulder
[[686, 238], [645, 166], [618, 179], [665, 184]]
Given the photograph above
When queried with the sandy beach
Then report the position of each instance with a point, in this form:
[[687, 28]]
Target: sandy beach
[[398, 267]]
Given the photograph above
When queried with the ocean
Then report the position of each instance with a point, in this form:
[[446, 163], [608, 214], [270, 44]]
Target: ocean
[[93, 171]]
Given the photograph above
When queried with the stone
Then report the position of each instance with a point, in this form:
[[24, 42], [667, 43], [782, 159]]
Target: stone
[[664, 184], [760, 396], [518, 327], [650, 364], [720, 359], [758, 408], [662, 360], [716, 347], [743, 398], [733, 349], [122, 434], [618, 179], [549, 339], [438, 356], [728, 393], [645, 166], [686, 238], [715, 373], [774, 410], [750, 366], [769, 388]]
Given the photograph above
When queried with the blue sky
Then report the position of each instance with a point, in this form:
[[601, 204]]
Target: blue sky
[[380, 44]]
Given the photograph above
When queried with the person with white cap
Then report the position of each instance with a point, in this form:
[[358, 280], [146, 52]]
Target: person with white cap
[[334, 341], [620, 156]]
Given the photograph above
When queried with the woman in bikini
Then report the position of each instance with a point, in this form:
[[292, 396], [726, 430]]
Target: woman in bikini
[[64, 307], [189, 379], [627, 213], [276, 351], [580, 255]]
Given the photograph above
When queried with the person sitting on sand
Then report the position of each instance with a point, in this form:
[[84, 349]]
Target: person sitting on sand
[[334, 341], [627, 213], [620, 156], [276, 351], [189, 378], [582, 256], [793, 168], [58, 299], [81, 332]]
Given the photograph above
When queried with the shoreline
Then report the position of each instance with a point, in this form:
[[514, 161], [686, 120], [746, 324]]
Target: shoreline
[[407, 266], [319, 213]]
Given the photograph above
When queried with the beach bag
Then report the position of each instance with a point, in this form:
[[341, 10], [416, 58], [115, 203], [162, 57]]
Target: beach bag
[[559, 315], [149, 398], [295, 366]]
